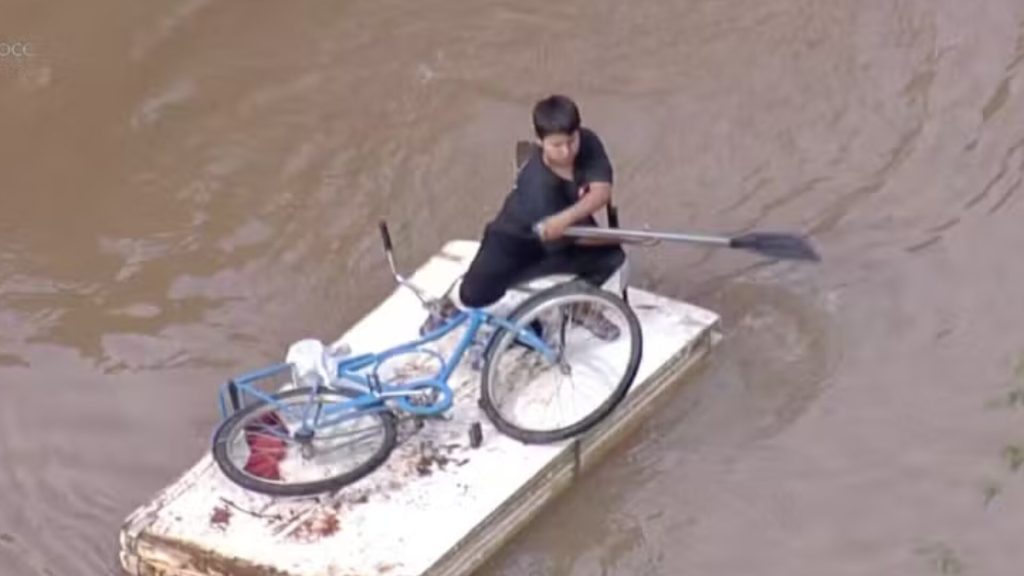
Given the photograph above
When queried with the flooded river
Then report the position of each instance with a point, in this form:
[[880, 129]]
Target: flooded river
[[188, 187]]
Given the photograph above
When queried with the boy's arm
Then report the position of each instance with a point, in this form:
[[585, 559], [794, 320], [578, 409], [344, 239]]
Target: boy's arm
[[597, 195], [596, 170]]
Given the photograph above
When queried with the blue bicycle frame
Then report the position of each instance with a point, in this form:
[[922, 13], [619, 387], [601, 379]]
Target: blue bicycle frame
[[358, 375]]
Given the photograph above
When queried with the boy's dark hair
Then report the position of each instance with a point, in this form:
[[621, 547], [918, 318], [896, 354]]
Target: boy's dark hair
[[555, 114]]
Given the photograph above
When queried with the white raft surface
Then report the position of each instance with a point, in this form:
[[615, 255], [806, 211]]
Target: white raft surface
[[438, 506]]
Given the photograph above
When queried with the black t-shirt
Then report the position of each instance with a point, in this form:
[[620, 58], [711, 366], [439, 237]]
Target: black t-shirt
[[539, 192]]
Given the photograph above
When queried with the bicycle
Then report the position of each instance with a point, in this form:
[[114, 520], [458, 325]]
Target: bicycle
[[335, 422]]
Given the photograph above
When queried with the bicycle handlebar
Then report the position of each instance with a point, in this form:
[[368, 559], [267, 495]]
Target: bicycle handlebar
[[428, 303], [385, 235]]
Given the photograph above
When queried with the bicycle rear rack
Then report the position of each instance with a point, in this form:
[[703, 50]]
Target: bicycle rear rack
[[233, 396]]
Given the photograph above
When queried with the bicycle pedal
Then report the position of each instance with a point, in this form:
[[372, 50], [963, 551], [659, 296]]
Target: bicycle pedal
[[476, 435]]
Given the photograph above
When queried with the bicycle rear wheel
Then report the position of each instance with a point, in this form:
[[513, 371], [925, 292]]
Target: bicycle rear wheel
[[265, 447], [534, 400]]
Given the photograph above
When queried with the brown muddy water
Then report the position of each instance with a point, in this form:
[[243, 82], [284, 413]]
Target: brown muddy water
[[187, 187]]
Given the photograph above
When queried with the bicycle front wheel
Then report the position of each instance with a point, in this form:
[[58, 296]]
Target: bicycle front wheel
[[302, 443], [597, 342]]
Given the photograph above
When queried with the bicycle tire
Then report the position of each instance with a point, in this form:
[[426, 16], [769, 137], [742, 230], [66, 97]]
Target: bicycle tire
[[619, 391], [224, 436]]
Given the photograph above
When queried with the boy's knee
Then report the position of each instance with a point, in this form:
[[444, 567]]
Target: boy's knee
[[611, 259], [475, 294], [617, 257], [603, 263]]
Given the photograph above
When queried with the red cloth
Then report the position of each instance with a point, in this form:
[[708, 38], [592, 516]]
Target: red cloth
[[265, 438]]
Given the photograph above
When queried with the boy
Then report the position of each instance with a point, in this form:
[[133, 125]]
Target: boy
[[564, 182]]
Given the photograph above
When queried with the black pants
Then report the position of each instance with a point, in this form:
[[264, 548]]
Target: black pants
[[504, 261]]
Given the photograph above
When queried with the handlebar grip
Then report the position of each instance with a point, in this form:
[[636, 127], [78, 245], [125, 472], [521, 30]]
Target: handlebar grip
[[385, 235]]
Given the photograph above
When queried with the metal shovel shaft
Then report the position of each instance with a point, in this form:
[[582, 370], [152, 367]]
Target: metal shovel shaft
[[594, 232]]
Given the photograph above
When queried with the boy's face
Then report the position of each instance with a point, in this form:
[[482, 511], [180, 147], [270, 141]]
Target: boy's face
[[561, 149]]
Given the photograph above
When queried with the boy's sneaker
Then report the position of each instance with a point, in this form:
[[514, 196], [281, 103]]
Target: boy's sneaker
[[589, 317]]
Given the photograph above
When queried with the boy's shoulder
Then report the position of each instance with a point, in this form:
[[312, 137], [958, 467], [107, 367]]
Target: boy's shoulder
[[588, 133], [532, 169], [589, 140]]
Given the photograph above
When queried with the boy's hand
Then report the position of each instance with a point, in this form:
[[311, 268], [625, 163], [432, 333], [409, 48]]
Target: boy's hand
[[552, 227]]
